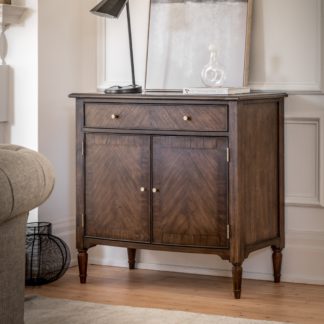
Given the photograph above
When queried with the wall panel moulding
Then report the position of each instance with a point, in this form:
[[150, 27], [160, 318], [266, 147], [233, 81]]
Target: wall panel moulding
[[304, 132]]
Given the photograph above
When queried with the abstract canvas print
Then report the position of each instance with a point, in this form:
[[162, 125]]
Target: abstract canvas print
[[181, 33]]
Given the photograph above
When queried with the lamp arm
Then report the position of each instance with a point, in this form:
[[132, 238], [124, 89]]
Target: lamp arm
[[130, 42]]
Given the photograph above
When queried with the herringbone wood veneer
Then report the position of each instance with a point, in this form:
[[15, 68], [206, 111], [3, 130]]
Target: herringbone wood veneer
[[117, 166], [190, 207], [201, 117]]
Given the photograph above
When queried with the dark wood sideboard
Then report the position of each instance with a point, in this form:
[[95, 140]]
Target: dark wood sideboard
[[198, 174]]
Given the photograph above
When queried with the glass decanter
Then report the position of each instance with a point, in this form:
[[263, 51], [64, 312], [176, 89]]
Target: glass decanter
[[213, 74]]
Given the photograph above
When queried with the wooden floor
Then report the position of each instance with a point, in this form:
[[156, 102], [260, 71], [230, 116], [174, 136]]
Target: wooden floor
[[294, 303]]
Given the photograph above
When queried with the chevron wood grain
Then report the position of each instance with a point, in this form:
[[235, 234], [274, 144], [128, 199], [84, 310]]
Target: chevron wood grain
[[117, 166], [199, 117], [190, 207]]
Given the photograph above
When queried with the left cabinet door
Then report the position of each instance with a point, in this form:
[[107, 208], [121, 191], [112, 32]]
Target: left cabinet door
[[117, 181]]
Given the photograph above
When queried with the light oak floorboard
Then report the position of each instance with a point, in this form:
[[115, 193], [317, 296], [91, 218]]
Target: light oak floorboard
[[296, 303]]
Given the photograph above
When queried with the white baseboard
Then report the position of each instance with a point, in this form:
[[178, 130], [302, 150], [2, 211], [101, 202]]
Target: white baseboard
[[211, 272], [181, 269], [74, 262], [302, 262]]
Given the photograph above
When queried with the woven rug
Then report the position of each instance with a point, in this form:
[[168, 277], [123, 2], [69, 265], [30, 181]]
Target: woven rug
[[41, 310]]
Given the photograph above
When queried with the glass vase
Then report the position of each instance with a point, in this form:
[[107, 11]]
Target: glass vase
[[213, 74]]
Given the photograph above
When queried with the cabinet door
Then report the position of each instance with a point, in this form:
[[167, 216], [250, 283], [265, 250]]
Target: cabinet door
[[190, 175], [116, 168]]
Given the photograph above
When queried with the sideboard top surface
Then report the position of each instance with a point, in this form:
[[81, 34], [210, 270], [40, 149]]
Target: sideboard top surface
[[257, 95]]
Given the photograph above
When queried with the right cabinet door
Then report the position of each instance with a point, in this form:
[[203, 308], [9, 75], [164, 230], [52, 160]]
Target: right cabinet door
[[190, 191]]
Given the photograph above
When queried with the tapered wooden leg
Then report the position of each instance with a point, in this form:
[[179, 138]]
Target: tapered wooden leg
[[237, 279], [277, 261], [131, 258], [83, 265]]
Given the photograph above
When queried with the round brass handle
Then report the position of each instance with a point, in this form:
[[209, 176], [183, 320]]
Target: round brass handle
[[186, 118], [113, 116], [155, 190], [142, 189]]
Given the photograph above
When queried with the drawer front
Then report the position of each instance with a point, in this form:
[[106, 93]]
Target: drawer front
[[186, 118]]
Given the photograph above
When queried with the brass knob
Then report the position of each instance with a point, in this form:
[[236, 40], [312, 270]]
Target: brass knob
[[186, 118], [113, 116], [155, 190], [142, 189]]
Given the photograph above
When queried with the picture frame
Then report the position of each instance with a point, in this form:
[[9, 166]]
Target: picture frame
[[180, 33]]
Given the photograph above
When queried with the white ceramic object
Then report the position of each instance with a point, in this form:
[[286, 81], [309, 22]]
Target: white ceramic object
[[9, 14]]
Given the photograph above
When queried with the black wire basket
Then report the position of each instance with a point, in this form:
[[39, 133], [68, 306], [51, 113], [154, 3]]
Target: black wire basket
[[47, 256]]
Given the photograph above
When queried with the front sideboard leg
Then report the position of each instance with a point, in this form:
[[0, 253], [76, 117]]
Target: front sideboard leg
[[277, 261], [131, 258], [237, 279], [83, 265]]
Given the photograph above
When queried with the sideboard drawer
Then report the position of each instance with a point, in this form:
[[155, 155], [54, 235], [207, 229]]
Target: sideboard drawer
[[187, 118]]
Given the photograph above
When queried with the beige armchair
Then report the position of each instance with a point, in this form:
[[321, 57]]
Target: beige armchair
[[26, 180]]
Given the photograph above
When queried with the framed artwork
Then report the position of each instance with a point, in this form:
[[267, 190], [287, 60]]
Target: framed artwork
[[181, 33]]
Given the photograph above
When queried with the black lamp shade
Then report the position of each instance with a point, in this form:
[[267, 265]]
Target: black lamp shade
[[109, 8]]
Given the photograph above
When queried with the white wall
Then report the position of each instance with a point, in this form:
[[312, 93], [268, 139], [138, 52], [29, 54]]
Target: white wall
[[67, 63], [287, 45], [287, 54]]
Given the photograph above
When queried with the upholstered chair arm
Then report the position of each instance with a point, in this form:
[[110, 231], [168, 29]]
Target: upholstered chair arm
[[26, 180]]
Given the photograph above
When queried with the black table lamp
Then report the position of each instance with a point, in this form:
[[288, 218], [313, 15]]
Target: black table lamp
[[112, 9]]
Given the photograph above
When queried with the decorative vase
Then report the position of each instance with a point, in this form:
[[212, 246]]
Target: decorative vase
[[5, 1], [47, 256], [213, 74]]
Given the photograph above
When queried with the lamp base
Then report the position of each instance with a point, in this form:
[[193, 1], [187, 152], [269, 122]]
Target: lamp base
[[125, 89]]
